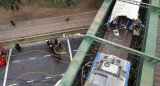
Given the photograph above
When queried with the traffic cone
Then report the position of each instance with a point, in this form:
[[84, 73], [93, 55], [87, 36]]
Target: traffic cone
[[21, 68]]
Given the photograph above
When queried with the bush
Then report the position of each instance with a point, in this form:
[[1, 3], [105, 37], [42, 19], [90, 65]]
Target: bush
[[6, 3], [44, 3]]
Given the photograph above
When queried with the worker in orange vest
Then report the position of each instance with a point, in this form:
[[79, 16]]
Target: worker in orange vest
[[67, 18]]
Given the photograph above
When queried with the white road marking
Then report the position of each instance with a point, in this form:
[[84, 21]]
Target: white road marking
[[63, 52], [47, 55], [13, 84], [30, 81], [69, 47], [75, 50], [62, 74], [47, 77], [16, 61], [5, 77], [32, 58], [59, 81]]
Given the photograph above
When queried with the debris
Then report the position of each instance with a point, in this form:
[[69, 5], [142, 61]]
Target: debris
[[21, 68], [116, 33]]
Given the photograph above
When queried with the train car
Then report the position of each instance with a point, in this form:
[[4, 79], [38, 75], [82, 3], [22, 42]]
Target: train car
[[108, 70], [125, 17]]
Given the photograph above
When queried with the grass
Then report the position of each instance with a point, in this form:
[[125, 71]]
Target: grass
[[46, 3], [42, 38]]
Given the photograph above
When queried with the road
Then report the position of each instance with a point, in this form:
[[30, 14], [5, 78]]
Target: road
[[35, 62]]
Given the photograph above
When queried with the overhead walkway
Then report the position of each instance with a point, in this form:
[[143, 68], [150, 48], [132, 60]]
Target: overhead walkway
[[147, 55], [157, 66]]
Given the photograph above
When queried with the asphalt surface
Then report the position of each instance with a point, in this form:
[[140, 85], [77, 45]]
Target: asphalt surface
[[37, 61]]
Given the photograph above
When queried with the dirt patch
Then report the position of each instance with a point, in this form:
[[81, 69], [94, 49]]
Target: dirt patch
[[30, 11]]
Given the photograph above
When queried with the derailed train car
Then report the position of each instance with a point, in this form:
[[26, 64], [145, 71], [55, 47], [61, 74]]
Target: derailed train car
[[108, 70], [124, 18]]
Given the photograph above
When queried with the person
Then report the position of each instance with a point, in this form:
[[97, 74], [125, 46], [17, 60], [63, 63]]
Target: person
[[12, 22], [59, 44], [12, 7], [17, 46], [56, 41], [67, 18], [16, 7], [49, 42], [19, 1]]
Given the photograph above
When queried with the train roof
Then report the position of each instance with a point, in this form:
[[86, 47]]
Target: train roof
[[125, 9]]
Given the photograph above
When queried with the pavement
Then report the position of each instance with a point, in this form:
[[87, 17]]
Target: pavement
[[38, 62], [46, 25]]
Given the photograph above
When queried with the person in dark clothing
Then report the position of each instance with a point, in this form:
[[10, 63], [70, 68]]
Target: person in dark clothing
[[17, 46], [12, 7], [19, 1], [16, 7], [56, 41], [12, 22]]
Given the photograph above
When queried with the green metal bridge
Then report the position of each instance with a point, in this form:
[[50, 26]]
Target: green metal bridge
[[147, 71]]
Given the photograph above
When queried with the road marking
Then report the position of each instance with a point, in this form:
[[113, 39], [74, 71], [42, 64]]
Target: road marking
[[69, 47], [75, 50], [30, 81], [62, 74], [13, 84], [47, 55], [63, 52], [7, 66], [59, 81], [47, 77], [16, 61], [32, 58]]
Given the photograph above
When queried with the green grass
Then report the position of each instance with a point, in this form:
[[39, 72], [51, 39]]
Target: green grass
[[41, 38], [46, 3]]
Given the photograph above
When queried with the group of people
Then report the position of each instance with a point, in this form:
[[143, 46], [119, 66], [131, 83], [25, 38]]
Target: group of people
[[13, 7], [51, 44], [123, 24]]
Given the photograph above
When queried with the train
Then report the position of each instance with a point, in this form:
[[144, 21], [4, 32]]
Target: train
[[108, 70]]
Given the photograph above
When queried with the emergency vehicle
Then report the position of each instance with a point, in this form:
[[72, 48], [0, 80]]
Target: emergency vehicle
[[3, 54]]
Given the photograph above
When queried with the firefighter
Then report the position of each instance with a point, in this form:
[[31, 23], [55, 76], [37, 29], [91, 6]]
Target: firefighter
[[17, 46]]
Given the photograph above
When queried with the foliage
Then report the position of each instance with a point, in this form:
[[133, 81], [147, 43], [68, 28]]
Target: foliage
[[44, 3], [6, 3]]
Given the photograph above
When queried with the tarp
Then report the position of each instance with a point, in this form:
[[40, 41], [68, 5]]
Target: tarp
[[125, 9]]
